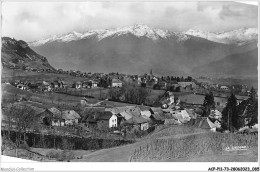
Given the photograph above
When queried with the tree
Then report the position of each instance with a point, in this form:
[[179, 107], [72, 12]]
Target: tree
[[252, 94], [23, 117], [156, 87], [230, 117], [143, 84], [178, 89], [248, 110], [115, 93], [208, 104]]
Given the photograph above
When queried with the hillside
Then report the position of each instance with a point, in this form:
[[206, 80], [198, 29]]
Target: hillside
[[172, 134], [235, 64], [134, 49], [18, 55]]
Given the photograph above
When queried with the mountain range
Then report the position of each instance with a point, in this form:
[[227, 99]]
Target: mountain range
[[17, 54], [137, 49]]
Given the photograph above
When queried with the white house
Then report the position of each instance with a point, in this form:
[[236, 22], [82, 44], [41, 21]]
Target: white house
[[223, 87], [78, 85], [181, 115], [113, 121], [94, 84], [146, 113], [144, 126], [21, 86], [116, 83]]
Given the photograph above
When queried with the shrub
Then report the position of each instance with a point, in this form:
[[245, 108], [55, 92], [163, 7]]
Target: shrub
[[52, 154]]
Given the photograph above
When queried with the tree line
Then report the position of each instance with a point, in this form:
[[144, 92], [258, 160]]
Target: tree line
[[234, 115], [129, 94]]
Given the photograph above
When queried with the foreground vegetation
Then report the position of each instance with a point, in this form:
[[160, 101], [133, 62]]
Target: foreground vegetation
[[192, 145]]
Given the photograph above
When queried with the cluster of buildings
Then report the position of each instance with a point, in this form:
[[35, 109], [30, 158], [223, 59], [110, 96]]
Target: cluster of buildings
[[39, 85], [238, 89], [46, 86]]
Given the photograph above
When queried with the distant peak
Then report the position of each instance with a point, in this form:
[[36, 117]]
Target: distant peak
[[239, 35], [140, 25]]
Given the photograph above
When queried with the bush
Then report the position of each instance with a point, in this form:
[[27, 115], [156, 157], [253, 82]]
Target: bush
[[52, 154]]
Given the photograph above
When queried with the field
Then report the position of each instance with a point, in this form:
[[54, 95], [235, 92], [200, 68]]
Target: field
[[192, 146], [231, 80], [169, 144], [46, 100], [8, 74]]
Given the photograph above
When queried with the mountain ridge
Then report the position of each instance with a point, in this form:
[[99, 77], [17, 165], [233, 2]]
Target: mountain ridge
[[139, 48], [234, 64], [18, 54], [226, 37]]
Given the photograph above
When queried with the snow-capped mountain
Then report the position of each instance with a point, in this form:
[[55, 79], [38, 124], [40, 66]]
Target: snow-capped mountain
[[139, 30], [137, 49], [239, 36]]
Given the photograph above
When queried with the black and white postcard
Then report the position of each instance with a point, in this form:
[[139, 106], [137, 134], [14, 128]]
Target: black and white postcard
[[130, 82]]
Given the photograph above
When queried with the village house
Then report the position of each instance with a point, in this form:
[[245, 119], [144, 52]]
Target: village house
[[125, 115], [21, 86], [206, 123], [56, 117], [78, 85], [181, 115], [94, 84], [45, 86], [70, 117], [33, 85], [106, 120], [55, 84], [114, 120], [149, 84], [138, 122], [224, 88], [146, 113], [172, 84], [162, 84], [45, 117], [86, 84], [185, 84], [116, 83], [103, 119], [157, 115]]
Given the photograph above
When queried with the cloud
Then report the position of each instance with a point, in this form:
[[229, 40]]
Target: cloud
[[238, 11], [35, 20]]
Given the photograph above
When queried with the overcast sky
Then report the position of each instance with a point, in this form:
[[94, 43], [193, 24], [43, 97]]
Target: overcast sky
[[36, 20]]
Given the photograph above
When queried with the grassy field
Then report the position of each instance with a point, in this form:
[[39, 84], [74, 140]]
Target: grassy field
[[191, 146], [167, 144], [46, 100], [100, 93], [231, 80], [8, 74]]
